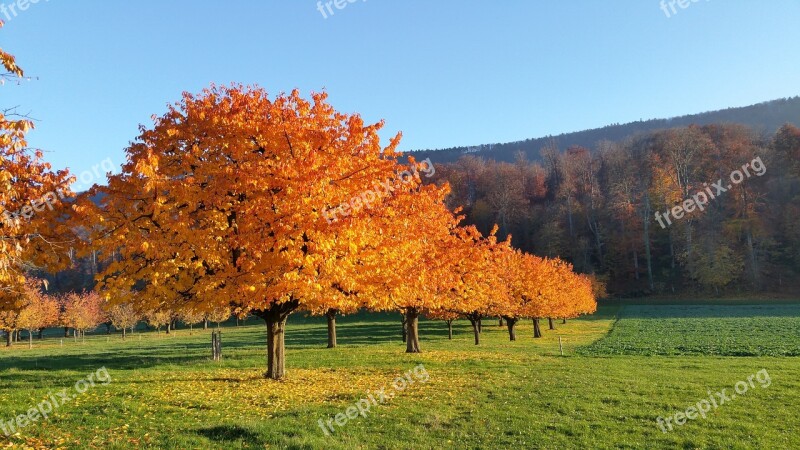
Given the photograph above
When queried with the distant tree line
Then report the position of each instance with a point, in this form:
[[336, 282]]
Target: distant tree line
[[597, 208], [765, 117]]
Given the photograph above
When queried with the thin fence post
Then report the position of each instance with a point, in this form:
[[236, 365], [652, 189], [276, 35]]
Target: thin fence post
[[560, 346], [216, 345], [213, 346]]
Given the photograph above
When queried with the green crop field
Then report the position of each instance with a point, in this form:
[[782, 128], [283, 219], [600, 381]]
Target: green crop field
[[623, 369], [714, 330]]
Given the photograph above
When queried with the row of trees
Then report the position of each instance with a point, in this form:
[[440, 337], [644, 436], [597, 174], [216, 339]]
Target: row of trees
[[37, 311], [596, 208], [223, 205], [86, 311]]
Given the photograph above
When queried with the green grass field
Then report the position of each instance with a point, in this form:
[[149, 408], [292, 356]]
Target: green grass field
[[622, 369], [713, 330]]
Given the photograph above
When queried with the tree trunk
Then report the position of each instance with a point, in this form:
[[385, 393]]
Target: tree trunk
[[275, 318], [41, 334], [569, 217], [753, 260], [450, 330], [480, 325], [671, 250], [331, 315], [30, 339], [476, 329], [66, 331], [412, 330], [108, 328], [551, 323], [647, 251], [276, 348], [405, 330], [123, 333], [537, 331], [205, 324], [501, 324], [512, 331], [8, 339], [564, 321], [169, 327]]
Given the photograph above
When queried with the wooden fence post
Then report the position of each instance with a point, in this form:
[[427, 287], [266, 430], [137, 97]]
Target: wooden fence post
[[216, 345]]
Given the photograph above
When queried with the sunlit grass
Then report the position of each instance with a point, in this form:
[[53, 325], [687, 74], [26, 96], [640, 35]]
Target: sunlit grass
[[166, 393]]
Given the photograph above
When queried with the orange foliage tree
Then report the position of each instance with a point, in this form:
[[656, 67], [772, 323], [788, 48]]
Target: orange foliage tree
[[31, 197], [227, 200], [82, 312], [407, 264], [38, 311], [477, 288], [123, 316]]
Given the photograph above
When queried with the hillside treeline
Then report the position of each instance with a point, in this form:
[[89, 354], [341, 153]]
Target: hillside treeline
[[765, 117], [597, 208]]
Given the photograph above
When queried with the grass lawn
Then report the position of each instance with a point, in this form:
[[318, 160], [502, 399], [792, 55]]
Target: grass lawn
[[617, 377]]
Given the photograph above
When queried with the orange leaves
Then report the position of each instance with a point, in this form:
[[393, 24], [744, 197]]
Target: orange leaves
[[29, 231], [8, 62], [221, 202], [122, 316], [82, 311]]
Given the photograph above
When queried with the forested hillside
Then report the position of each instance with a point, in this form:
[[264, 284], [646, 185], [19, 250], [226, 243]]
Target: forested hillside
[[597, 207]]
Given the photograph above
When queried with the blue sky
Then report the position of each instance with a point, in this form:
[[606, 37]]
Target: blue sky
[[446, 73]]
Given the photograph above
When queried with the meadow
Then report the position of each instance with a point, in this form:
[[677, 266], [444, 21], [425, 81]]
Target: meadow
[[622, 368]]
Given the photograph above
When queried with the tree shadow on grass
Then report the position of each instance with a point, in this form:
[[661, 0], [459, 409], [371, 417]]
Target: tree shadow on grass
[[229, 434], [141, 354]]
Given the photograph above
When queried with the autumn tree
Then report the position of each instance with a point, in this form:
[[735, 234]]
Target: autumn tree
[[32, 236], [236, 199], [158, 318], [415, 231], [9, 317], [82, 311], [191, 317], [219, 314], [477, 289], [123, 316], [38, 311]]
